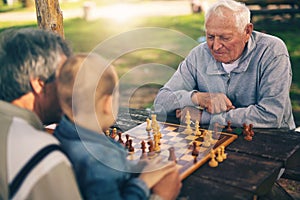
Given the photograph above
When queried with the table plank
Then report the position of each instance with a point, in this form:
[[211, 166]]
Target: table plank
[[195, 188], [276, 144], [247, 172], [251, 168]]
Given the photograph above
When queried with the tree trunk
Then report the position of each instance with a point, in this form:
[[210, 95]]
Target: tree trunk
[[49, 16]]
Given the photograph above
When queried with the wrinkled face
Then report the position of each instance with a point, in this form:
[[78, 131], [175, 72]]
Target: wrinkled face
[[225, 42]]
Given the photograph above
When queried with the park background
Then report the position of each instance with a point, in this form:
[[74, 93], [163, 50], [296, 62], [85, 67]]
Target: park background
[[108, 18]]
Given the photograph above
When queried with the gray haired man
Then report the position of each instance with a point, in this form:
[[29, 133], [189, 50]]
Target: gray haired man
[[31, 163]]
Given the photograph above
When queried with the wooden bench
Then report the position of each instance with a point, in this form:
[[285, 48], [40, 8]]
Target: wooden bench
[[273, 7]]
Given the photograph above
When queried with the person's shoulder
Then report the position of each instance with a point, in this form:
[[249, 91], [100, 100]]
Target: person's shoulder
[[271, 42], [267, 39], [23, 130], [199, 52], [32, 142]]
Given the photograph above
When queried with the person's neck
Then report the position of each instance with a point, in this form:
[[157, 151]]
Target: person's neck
[[25, 101]]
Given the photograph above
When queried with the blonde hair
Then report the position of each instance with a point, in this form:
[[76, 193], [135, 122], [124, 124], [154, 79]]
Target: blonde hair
[[82, 81]]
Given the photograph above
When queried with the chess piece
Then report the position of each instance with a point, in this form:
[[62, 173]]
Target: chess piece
[[195, 159], [212, 162], [143, 147], [120, 137], [224, 155], [188, 122], [107, 133], [248, 137], [197, 131], [130, 147], [195, 151], [156, 142], [219, 157], [148, 127], [150, 148], [158, 131], [229, 129], [245, 129], [127, 141], [246, 132], [172, 156], [114, 133], [251, 130]]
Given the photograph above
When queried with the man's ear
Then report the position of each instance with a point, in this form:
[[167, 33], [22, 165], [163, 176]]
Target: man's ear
[[248, 29], [37, 85]]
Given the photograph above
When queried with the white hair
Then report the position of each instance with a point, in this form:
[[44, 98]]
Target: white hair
[[240, 11]]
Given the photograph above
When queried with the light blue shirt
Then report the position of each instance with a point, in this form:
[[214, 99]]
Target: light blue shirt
[[258, 87]]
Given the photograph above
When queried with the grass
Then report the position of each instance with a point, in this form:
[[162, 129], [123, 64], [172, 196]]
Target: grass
[[85, 36]]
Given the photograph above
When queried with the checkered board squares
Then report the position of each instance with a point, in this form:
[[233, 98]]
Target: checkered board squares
[[173, 136]]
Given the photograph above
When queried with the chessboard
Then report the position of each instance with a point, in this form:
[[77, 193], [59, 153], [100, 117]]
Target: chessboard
[[176, 144]]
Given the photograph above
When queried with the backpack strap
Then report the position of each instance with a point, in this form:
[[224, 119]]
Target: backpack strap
[[21, 176]]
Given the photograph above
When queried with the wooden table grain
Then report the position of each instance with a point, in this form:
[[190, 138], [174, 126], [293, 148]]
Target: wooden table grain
[[249, 172]]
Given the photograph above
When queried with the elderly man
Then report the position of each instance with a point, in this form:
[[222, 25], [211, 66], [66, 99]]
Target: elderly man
[[237, 75], [31, 163]]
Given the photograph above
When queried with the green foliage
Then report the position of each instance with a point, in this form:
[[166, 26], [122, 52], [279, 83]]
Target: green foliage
[[86, 35]]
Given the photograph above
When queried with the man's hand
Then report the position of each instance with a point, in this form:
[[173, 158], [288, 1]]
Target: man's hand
[[195, 113], [169, 187], [213, 102]]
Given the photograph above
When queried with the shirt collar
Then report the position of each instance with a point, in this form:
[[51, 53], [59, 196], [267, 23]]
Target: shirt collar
[[72, 131], [11, 110]]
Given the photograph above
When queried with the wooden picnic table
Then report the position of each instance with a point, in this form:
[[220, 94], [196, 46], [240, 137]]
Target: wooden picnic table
[[273, 7], [249, 172]]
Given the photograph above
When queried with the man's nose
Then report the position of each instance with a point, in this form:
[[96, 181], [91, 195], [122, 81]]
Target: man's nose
[[217, 44]]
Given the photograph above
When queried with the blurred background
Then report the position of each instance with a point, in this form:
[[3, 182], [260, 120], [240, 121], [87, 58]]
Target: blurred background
[[88, 23]]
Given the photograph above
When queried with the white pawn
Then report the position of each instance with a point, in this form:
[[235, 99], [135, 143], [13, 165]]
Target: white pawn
[[197, 131], [212, 162], [224, 155], [148, 127], [219, 157]]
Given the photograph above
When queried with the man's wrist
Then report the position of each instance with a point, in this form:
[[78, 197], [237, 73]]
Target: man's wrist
[[194, 98]]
